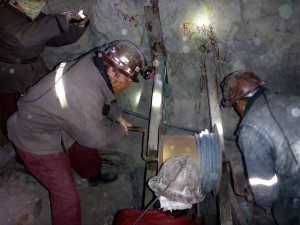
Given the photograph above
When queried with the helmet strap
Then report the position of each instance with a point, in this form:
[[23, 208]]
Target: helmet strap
[[168, 205]]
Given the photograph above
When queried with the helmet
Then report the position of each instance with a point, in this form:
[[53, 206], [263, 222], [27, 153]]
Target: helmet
[[186, 187], [125, 57], [239, 84]]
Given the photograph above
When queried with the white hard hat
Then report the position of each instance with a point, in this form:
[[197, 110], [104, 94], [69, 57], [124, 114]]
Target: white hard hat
[[186, 188]]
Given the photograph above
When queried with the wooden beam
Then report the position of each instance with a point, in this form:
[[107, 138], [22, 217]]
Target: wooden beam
[[158, 52], [223, 198]]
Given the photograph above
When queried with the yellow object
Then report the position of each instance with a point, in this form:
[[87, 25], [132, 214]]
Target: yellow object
[[32, 8], [177, 145], [186, 27], [171, 146]]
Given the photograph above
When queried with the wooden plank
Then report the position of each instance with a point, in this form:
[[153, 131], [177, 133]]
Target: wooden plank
[[157, 49], [223, 199], [154, 31]]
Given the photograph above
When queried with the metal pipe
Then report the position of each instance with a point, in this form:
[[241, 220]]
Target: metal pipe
[[234, 180], [136, 129], [247, 194], [144, 146]]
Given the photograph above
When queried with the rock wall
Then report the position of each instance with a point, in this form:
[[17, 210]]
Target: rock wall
[[261, 36]]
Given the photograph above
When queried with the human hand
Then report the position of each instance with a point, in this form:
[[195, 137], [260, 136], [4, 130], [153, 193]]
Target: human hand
[[78, 19], [81, 19], [69, 15], [125, 124], [82, 22]]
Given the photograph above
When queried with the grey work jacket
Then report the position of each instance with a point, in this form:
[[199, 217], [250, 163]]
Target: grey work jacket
[[266, 151], [24, 39], [73, 105]]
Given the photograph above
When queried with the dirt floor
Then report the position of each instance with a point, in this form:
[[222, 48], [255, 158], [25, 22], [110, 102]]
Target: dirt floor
[[24, 201]]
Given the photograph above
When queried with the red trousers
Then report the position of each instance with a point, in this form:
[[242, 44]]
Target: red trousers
[[54, 172], [151, 217], [8, 106]]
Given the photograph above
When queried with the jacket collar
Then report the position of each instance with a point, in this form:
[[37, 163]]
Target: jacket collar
[[253, 99], [100, 66]]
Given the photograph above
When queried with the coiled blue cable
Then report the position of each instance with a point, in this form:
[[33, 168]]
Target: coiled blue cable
[[209, 160]]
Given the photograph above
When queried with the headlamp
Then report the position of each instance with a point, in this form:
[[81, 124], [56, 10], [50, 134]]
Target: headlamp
[[148, 72]]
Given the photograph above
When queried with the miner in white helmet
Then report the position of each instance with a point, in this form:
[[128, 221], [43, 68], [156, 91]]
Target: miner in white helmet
[[177, 186]]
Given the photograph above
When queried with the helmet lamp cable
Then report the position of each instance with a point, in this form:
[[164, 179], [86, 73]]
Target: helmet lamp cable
[[281, 129], [64, 73], [104, 46], [163, 191]]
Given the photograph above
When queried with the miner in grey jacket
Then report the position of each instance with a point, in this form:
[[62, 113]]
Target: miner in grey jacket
[[269, 137], [24, 34], [68, 104]]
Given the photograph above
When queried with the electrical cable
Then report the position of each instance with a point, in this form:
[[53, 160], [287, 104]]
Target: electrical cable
[[281, 129], [163, 124], [104, 46], [169, 124], [163, 191], [64, 73]]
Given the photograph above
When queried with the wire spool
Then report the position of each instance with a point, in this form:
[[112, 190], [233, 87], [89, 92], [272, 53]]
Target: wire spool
[[204, 148], [209, 160]]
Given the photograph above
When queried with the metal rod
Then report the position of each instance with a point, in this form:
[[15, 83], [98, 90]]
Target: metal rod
[[144, 146], [247, 194], [135, 129]]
